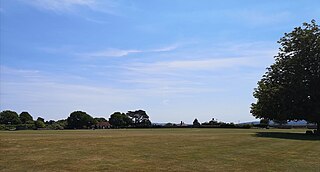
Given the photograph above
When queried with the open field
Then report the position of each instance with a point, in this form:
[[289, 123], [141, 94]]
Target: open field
[[159, 150]]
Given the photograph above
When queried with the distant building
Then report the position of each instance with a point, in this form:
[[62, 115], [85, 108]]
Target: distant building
[[103, 125]]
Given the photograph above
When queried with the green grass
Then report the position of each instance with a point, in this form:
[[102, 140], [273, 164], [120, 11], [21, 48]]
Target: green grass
[[159, 150]]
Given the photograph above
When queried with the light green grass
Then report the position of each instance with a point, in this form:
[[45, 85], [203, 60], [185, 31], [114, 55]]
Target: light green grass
[[159, 150]]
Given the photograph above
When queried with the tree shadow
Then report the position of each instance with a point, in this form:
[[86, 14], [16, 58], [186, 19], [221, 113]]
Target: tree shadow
[[292, 136]]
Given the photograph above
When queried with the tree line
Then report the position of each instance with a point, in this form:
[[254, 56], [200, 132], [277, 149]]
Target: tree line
[[10, 120]]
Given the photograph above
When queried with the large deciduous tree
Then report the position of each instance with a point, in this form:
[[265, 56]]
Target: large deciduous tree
[[9, 117], [119, 120], [25, 117], [290, 89], [80, 120]]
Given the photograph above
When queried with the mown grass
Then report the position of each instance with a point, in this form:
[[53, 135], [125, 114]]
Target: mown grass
[[159, 150]]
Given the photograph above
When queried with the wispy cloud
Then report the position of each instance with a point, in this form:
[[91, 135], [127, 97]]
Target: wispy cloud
[[72, 6], [205, 64], [111, 52]]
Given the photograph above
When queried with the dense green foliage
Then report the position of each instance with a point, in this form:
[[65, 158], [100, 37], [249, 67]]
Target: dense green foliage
[[101, 119], [9, 117], [80, 120], [39, 124], [25, 117], [290, 89], [139, 118], [119, 120]]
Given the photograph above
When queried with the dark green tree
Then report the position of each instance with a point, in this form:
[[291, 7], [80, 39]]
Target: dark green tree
[[101, 119], [119, 120], [196, 123], [24, 117], [39, 124], [40, 119], [290, 89], [9, 117], [63, 123], [80, 120], [139, 118]]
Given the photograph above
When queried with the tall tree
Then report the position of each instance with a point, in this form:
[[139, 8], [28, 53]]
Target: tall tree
[[9, 117], [24, 117], [80, 120], [290, 89]]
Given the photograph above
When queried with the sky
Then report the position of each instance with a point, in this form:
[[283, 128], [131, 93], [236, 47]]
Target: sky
[[176, 59]]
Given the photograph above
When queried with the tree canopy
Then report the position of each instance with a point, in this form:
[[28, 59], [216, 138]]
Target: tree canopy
[[80, 120], [290, 89], [119, 120], [24, 117], [9, 117], [139, 118]]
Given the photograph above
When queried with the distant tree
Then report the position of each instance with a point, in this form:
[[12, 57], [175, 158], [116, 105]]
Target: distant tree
[[119, 120], [101, 119], [145, 123], [290, 89], [211, 122], [39, 124], [168, 125], [9, 117], [139, 118], [50, 122], [80, 120], [63, 123], [40, 119], [24, 117], [196, 123]]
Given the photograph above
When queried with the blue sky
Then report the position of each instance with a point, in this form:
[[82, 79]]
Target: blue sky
[[176, 59]]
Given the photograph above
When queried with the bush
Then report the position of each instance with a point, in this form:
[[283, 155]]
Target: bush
[[55, 126], [26, 127]]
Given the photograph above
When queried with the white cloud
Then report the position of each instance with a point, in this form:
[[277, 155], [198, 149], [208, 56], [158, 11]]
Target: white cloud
[[202, 64], [70, 6], [111, 52]]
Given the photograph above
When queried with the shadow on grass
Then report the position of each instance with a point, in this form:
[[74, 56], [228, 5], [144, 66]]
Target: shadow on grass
[[292, 136]]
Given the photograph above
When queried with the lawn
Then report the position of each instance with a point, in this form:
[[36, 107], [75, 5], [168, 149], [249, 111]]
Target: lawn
[[160, 150]]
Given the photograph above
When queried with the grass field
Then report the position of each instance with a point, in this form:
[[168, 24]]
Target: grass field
[[159, 150]]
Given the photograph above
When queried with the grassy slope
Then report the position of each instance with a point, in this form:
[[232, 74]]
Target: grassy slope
[[159, 150]]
